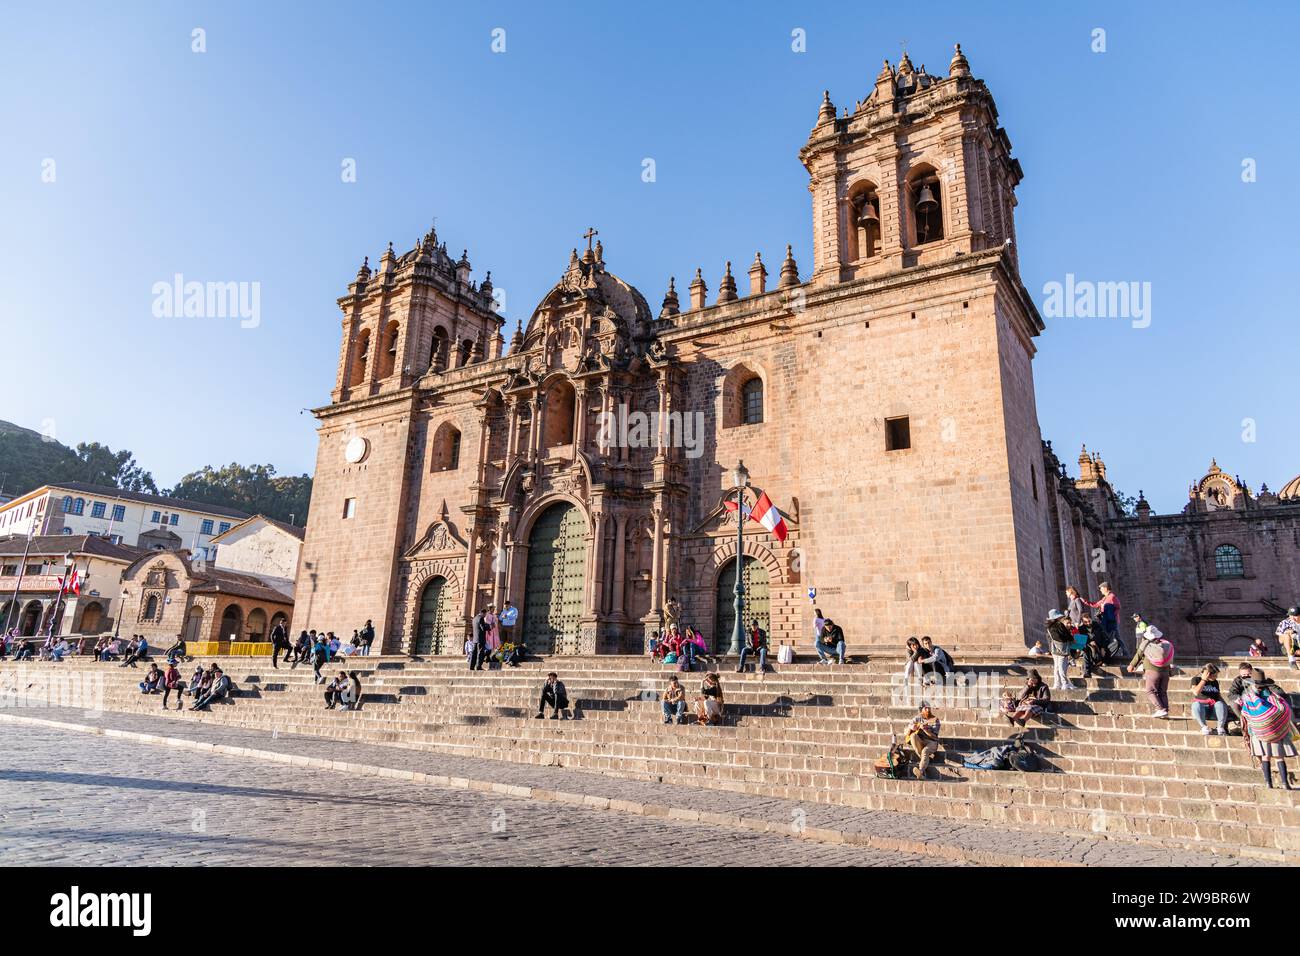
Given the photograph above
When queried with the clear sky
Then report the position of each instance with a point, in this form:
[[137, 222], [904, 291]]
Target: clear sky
[[226, 166]]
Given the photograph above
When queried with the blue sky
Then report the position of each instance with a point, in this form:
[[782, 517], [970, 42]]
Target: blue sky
[[225, 166]]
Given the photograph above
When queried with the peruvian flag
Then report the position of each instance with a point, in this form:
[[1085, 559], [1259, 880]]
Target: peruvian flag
[[766, 514]]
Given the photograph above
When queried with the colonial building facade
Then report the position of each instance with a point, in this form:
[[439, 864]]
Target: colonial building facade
[[884, 400]]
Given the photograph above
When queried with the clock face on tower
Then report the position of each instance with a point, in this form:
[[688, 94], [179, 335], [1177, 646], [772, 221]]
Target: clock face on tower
[[356, 450]]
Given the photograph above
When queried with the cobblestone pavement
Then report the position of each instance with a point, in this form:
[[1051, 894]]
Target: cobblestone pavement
[[81, 800], [966, 841]]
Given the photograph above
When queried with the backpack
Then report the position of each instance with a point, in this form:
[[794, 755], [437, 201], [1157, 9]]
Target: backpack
[[995, 758], [1022, 757], [893, 765]]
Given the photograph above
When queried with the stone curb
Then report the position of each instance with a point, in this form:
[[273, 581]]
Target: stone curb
[[953, 854]]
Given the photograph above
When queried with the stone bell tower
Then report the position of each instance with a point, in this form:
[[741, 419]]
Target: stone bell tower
[[918, 172]]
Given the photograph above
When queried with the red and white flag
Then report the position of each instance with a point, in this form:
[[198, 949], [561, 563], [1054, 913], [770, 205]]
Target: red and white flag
[[766, 514], [72, 585]]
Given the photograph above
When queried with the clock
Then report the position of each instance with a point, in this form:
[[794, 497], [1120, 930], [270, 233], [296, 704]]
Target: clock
[[356, 450]]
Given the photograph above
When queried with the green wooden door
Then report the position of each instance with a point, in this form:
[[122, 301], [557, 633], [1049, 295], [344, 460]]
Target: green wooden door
[[431, 635], [757, 603], [556, 580]]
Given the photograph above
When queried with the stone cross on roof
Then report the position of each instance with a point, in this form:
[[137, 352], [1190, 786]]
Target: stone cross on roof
[[589, 235]]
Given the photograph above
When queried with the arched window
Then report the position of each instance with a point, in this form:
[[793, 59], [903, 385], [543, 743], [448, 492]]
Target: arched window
[[925, 193], [439, 351], [464, 352], [388, 355], [864, 222], [445, 453], [1228, 563], [67, 504], [151, 608], [79, 506], [751, 398], [361, 357]]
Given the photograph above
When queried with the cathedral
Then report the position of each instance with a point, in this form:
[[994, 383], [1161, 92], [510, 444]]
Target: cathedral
[[882, 396]]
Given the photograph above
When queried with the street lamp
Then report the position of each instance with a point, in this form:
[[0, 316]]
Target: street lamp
[[121, 606], [741, 476]]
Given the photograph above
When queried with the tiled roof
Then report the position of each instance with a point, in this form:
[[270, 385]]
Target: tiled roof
[[108, 491], [297, 532], [87, 544], [214, 580]]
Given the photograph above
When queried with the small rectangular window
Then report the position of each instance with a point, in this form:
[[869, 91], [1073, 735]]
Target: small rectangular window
[[1033, 480], [157, 517], [349, 507], [898, 433], [174, 519], [206, 527], [223, 527], [97, 509], [119, 512]]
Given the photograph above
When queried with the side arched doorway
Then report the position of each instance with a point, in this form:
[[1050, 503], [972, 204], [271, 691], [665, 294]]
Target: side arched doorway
[[232, 618], [194, 624], [31, 619], [256, 626], [757, 602], [555, 581], [432, 632]]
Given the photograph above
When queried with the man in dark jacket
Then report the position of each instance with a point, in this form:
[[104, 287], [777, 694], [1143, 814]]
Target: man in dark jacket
[[478, 642], [555, 696], [279, 642], [367, 638]]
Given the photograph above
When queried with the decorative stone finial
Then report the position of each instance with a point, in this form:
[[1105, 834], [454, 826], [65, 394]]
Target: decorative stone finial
[[698, 290], [671, 306], [789, 270], [364, 272], [727, 287], [827, 112], [959, 66], [757, 276]]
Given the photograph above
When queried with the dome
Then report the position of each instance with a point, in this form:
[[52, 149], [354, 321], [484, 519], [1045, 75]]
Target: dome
[[1290, 491], [587, 280]]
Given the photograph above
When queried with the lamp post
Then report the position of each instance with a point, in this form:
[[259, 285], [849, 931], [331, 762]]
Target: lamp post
[[121, 606], [741, 476]]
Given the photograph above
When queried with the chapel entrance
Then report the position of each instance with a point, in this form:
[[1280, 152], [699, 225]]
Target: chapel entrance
[[555, 581], [757, 603], [431, 635]]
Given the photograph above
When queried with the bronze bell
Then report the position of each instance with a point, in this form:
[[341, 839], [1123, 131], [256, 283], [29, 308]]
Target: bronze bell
[[925, 199], [867, 216]]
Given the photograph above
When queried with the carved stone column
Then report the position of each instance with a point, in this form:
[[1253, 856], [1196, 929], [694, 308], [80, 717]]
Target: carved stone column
[[620, 563]]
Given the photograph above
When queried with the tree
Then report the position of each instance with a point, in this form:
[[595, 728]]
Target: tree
[[100, 465], [29, 460], [252, 488]]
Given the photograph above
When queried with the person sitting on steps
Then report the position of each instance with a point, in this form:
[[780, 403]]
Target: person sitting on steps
[[757, 644], [934, 659], [219, 689], [554, 696], [1206, 699], [1032, 701], [830, 643], [334, 690], [923, 737], [674, 701], [709, 705]]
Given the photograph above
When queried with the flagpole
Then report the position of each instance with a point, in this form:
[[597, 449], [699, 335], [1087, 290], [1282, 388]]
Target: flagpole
[[738, 630], [19, 585]]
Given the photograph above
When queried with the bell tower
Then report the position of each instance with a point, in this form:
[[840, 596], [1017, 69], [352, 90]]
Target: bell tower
[[918, 172]]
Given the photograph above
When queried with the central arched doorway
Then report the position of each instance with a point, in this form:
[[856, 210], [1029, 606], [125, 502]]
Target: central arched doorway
[[757, 602], [31, 619], [92, 618], [556, 580], [232, 619], [431, 631]]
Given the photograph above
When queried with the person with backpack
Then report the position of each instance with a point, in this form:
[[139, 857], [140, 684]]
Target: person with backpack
[[1108, 605], [1155, 659], [319, 657], [934, 659], [923, 737], [1267, 712]]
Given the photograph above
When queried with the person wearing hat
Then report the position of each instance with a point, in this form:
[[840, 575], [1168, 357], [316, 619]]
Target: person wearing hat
[[1267, 712], [923, 737], [1236, 691], [1155, 659], [1060, 641], [1288, 635]]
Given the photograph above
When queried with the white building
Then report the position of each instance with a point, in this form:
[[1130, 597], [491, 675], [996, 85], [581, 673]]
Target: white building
[[263, 547], [153, 522]]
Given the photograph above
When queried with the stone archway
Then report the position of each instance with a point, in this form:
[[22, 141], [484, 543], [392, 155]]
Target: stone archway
[[757, 584], [432, 634], [92, 618], [555, 581], [232, 619], [31, 619], [256, 626]]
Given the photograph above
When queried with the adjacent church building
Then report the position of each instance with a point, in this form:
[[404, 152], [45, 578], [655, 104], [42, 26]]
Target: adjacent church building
[[882, 396]]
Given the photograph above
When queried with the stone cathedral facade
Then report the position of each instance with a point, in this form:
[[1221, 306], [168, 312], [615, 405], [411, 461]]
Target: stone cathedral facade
[[883, 398]]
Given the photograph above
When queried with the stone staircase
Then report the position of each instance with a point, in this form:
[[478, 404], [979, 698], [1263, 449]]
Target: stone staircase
[[806, 732]]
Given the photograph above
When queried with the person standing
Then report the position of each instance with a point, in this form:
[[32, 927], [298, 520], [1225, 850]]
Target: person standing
[[279, 642], [319, 657], [1109, 607], [507, 618], [491, 630], [478, 641], [1060, 642], [367, 638], [1269, 722], [819, 622], [1154, 658]]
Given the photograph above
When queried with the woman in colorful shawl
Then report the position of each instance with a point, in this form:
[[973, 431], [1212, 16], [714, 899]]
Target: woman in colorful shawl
[[1267, 713], [1032, 702]]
